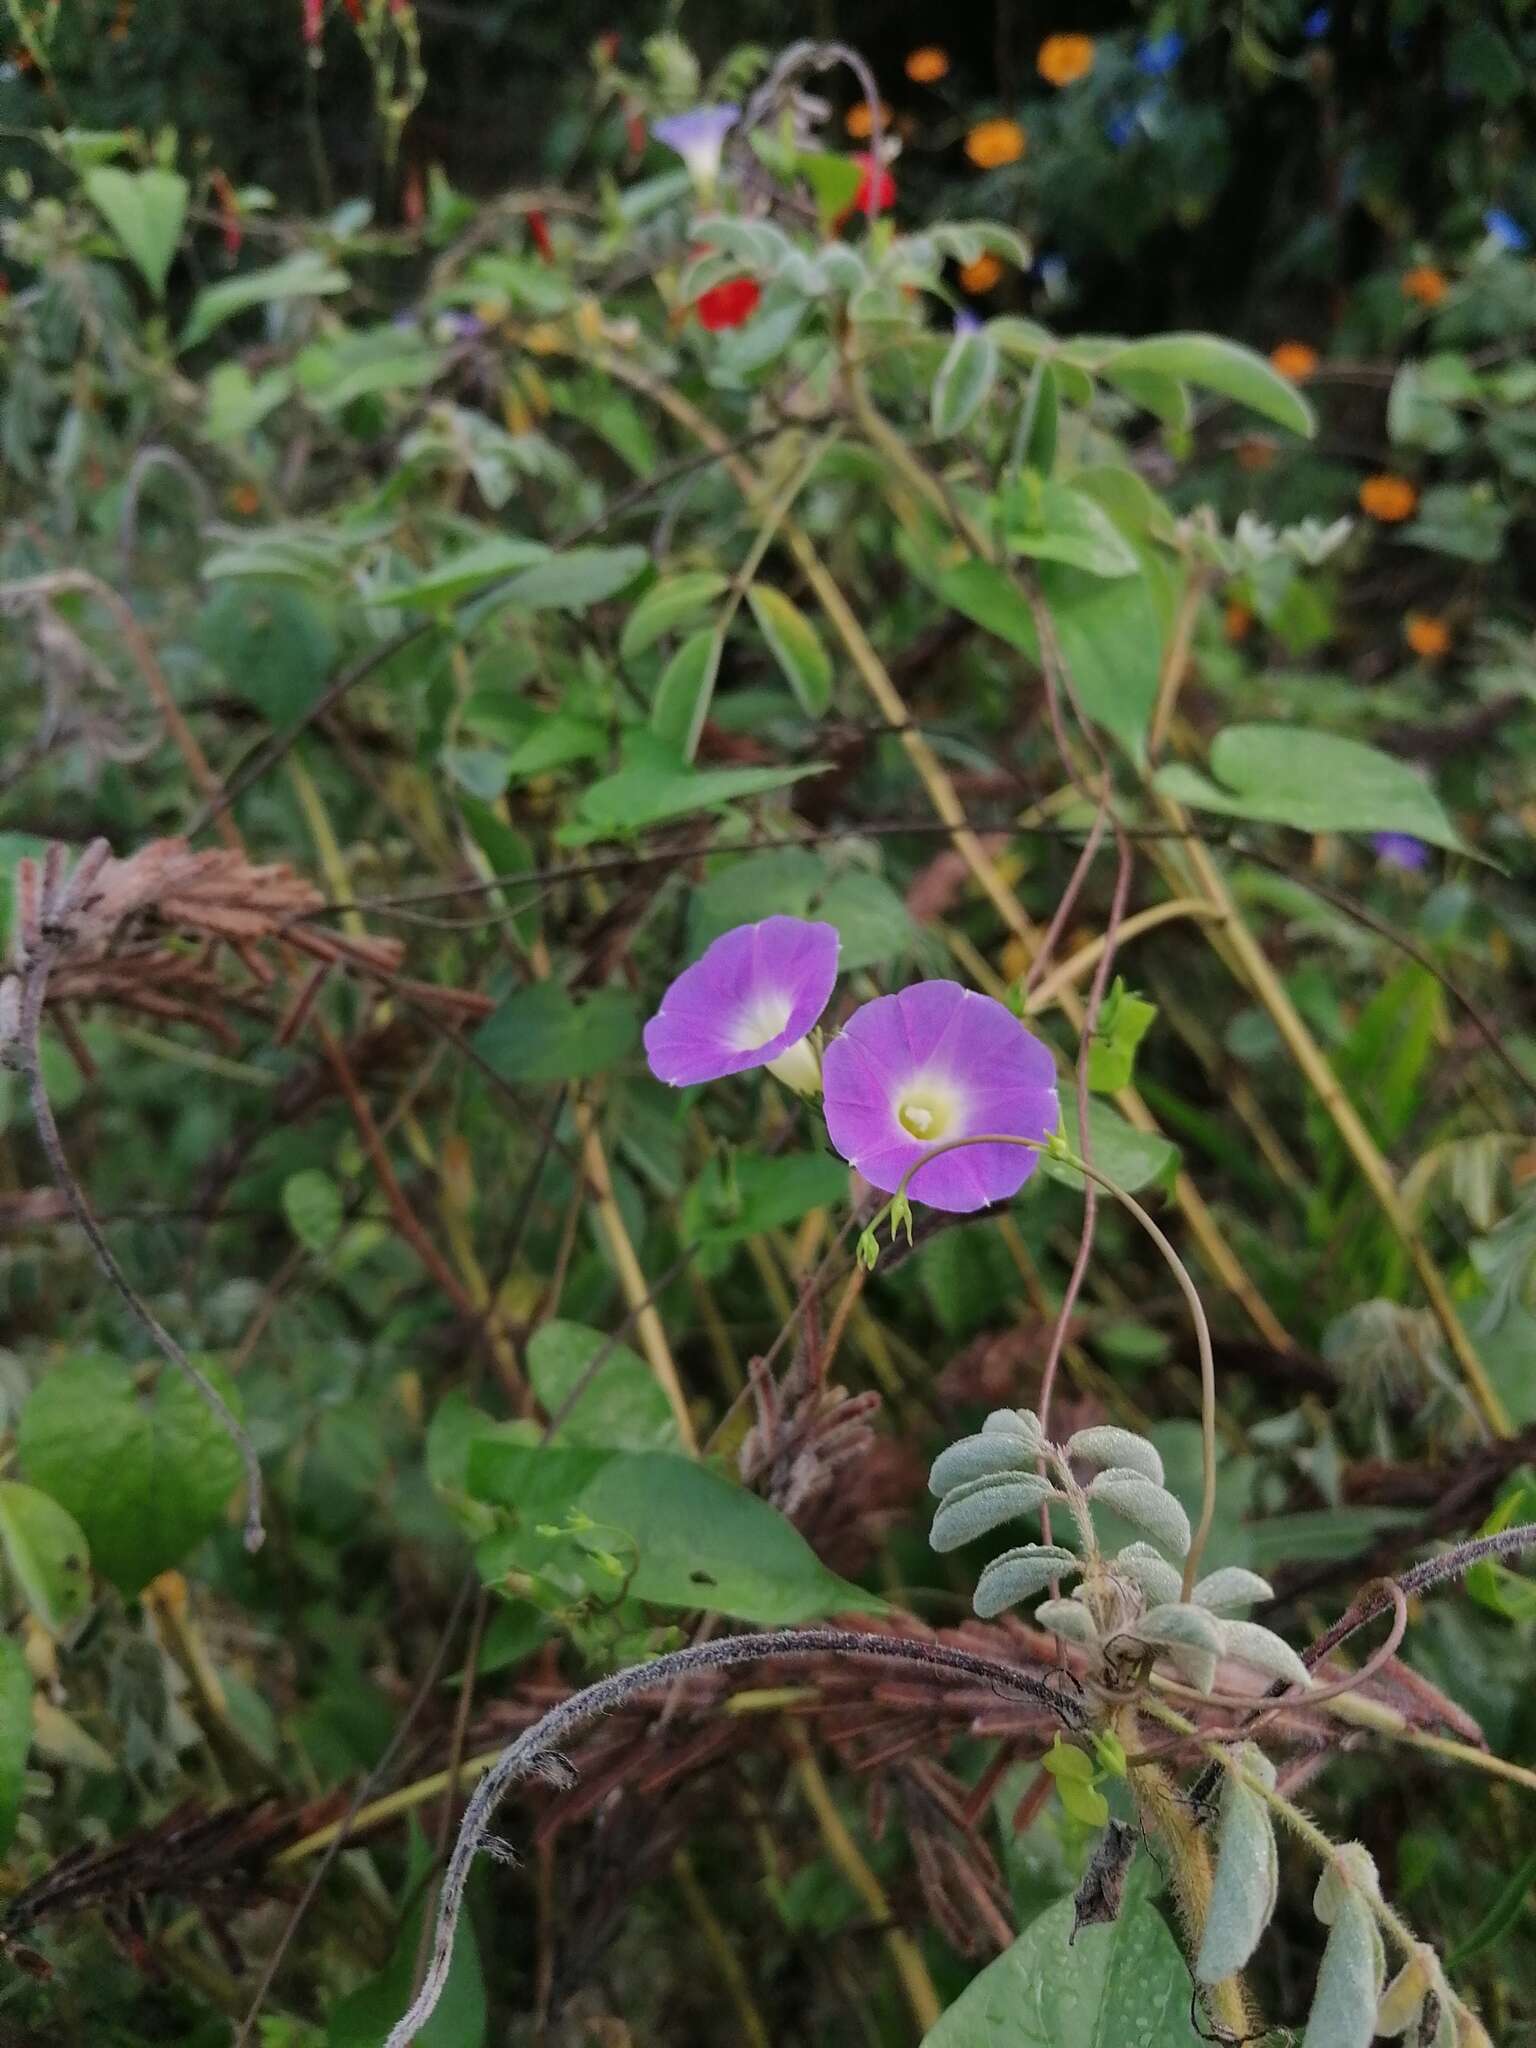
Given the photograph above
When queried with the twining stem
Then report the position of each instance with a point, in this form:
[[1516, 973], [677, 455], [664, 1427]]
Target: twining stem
[[1176, 1266], [538, 1747], [1082, 963]]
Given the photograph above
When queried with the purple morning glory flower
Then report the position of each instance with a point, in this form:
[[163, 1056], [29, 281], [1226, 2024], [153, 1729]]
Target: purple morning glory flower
[[1400, 850], [1506, 231], [1317, 24], [935, 1063], [699, 139], [1158, 55], [748, 1002]]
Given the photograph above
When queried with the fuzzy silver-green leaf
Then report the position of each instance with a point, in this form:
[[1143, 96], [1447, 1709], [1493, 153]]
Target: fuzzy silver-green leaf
[[1020, 1574], [1247, 1875], [1068, 1619], [979, 1457], [1262, 1650], [985, 1504], [1105, 1446], [1231, 1587], [1151, 1571], [1349, 1982], [1149, 1506]]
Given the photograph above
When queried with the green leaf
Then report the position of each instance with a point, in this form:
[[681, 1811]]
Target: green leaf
[[147, 1479], [795, 645], [1464, 521], [873, 924], [272, 642], [1054, 523], [575, 579], [695, 1539], [375, 362], [1349, 1983], [673, 602], [468, 571], [15, 1735], [1136, 1159], [304, 275], [313, 1206], [540, 1034], [1312, 781], [556, 742], [834, 182], [48, 1555], [237, 403], [1119, 1985], [753, 1193], [685, 690], [620, 1406], [651, 794], [1124, 1022], [145, 210], [1247, 1874], [1506, 1909], [964, 383], [1216, 365]]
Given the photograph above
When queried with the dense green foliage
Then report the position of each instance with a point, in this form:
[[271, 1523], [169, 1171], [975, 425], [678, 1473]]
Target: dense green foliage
[[458, 612]]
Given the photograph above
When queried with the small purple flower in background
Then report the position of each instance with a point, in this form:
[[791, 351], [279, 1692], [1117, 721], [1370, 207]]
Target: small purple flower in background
[[1317, 24], [1052, 273], [748, 1002], [461, 326], [1400, 850], [966, 322], [932, 1064], [1121, 128], [1505, 232], [699, 139], [1158, 55]]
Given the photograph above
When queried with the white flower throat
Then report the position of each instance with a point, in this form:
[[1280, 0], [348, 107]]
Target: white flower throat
[[926, 1111]]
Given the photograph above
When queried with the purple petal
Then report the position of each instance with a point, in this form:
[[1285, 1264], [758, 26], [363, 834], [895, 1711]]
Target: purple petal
[[697, 135], [956, 1060], [756, 990], [1400, 850]]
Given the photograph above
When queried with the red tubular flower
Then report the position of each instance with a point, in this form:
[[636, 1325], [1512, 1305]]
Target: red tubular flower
[[877, 188], [728, 304], [229, 213], [354, 9], [538, 230], [314, 18]]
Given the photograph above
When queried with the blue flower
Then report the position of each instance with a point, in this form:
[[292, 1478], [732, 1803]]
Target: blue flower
[[1317, 24], [699, 138], [966, 321], [1400, 850], [1121, 128], [1158, 54], [1506, 231]]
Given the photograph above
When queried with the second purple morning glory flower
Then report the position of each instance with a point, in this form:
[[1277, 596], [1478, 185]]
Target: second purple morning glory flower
[[748, 1002], [935, 1063]]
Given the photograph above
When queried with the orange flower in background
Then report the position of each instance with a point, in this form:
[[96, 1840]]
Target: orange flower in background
[[244, 500], [1256, 452], [984, 275], [1424, 284], [991, 144], [927, 65], [858, 123], [1428, 636], [1294, 359], [1388, 498], [728, 304], [1063, 60], [1236, 622]]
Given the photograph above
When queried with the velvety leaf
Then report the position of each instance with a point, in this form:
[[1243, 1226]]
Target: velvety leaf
[[980, 1505], [1068, 1619], [1232, 1586], [1247, 1875], [1105, 1445], [1020, 1574], [1120, 1985], [1160, 1581], [147, 1478], [1149, 1506], [1349, 1982], [976, 1457], [1262, 1650]]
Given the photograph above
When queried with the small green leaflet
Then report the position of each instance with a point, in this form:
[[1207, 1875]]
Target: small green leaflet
[[1136, 1159], [674, 602], [306, 275], [607, 1398], [313, 1206], [1124, 1021], [575, 579], [684, 691], [1054, 523], [1313, 782], [643, 795], [470, 570]]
